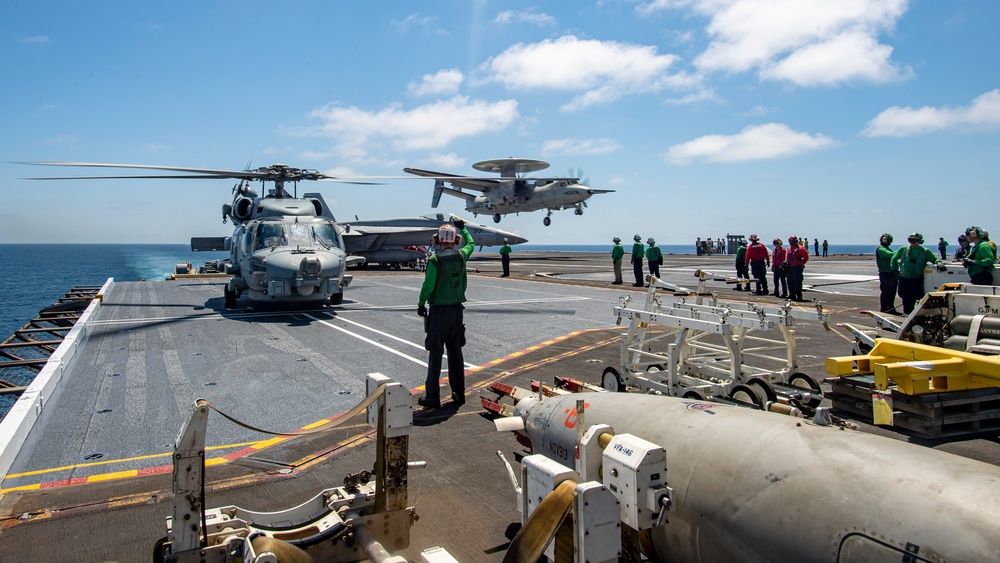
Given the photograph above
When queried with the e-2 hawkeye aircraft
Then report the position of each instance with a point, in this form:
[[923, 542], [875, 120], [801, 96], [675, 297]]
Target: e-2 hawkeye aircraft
[[511, 193]]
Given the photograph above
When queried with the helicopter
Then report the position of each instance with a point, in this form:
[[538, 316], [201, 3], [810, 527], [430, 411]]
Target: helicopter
[[511, 192], [284, 249]]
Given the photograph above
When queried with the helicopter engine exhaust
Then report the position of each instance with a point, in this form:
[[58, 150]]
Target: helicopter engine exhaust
[[242, 208]]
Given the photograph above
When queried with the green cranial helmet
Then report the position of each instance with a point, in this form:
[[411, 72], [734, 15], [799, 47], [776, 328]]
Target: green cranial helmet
[[616, 240], [977, 230], [887, 237], [919, 238], [637, 238]]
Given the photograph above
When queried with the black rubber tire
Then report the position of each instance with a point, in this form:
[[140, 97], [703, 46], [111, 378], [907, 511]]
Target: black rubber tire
[[612, 381], [229, 298], [764, 389], [693, 395], [807, 382], [337, 298], [547, 221], [746, 395]]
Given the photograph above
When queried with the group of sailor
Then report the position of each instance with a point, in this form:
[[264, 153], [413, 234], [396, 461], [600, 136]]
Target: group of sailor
[[902, 271], [652, 254]]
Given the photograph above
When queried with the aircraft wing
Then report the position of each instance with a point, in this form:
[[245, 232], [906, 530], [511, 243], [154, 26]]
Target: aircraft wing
[[361, 239], [477, 184]]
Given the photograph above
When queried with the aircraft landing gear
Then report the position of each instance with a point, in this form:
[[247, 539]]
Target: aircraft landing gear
[[548, 219], [579, 211], [229, 298], [496, 217], [337, 298]]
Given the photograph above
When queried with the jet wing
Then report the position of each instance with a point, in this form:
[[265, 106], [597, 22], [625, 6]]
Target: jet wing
[[361, 239], [478, 184]]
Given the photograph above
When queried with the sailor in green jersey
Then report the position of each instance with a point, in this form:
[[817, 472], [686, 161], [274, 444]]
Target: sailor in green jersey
[[886, 275], [505, 258], [943, 248], [654, 257], [910, 261], [617, 252], [637, 253], [444, 290], [979, 262]]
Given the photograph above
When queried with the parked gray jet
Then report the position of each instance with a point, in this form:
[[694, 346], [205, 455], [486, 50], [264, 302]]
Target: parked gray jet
[[400, 240]]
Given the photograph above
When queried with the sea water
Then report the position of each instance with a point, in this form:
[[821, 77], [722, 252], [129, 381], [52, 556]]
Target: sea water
[[34, 276]]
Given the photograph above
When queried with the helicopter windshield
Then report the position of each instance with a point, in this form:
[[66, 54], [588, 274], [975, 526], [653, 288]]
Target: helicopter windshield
[[297, 234], [270, 235], [326, 234]]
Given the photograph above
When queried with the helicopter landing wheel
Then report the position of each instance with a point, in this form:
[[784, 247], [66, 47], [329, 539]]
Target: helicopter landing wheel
[[496, 217], [546, 221], [337, 298], [229, 298], [578, 211]]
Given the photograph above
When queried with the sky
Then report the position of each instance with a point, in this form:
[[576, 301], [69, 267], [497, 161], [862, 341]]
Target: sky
[[837, 120]]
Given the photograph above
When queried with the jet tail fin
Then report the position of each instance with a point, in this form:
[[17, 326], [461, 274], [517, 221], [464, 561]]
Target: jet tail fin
[[438, 190]]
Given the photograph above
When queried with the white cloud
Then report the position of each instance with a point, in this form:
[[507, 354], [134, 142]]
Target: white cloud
[[757, 142], [805, 42], [529, 16], [605, 70], [416, 21], [448, 161], [982, 114], [35, 40], [441, 82], [428, 126], [577, 147]]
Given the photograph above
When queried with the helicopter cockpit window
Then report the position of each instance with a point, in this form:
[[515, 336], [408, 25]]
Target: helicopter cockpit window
[[326, 234], [270, 235], [298, 234]]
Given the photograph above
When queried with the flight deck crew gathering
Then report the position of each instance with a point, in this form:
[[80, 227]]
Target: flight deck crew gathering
[[903, 271], [444, 290]]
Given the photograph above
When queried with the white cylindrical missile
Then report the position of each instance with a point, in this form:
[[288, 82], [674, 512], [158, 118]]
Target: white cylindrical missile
[[756, 486]]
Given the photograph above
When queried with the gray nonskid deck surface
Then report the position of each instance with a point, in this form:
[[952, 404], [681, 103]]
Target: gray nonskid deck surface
[[158, 346]]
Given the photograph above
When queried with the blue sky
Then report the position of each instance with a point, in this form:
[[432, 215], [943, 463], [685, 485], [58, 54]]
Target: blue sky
[[838, 120]]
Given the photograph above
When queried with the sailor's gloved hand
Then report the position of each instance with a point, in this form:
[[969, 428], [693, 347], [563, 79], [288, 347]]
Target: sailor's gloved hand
[[459, 224], [941, 267], [421, 310], [966, 262]]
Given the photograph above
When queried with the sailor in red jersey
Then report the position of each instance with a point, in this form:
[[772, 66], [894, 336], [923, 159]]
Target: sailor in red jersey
[[779, 268], [797, 258], [759, 259]]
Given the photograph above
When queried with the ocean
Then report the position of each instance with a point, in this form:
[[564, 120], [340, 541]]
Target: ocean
[[36, 275]]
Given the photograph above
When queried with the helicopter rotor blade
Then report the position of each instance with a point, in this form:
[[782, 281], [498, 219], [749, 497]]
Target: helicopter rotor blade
[[207, 171]]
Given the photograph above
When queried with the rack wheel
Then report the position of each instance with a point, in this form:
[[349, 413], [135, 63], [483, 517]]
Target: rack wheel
[[747, 396], [611, 381]]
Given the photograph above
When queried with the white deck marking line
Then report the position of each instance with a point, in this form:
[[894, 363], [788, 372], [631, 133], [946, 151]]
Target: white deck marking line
[[387, 335], [369, 341]]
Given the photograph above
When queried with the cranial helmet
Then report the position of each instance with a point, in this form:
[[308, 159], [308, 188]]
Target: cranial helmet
[[977, 230], [637, 238], [754, 238], [887, 237], [793, 239], [505, 240], [616, 240], [915, 236], [777, 241], [650, 241], [447, 234]]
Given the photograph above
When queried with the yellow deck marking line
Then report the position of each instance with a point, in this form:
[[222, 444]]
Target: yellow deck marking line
[[122, 460], [253, 447]]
